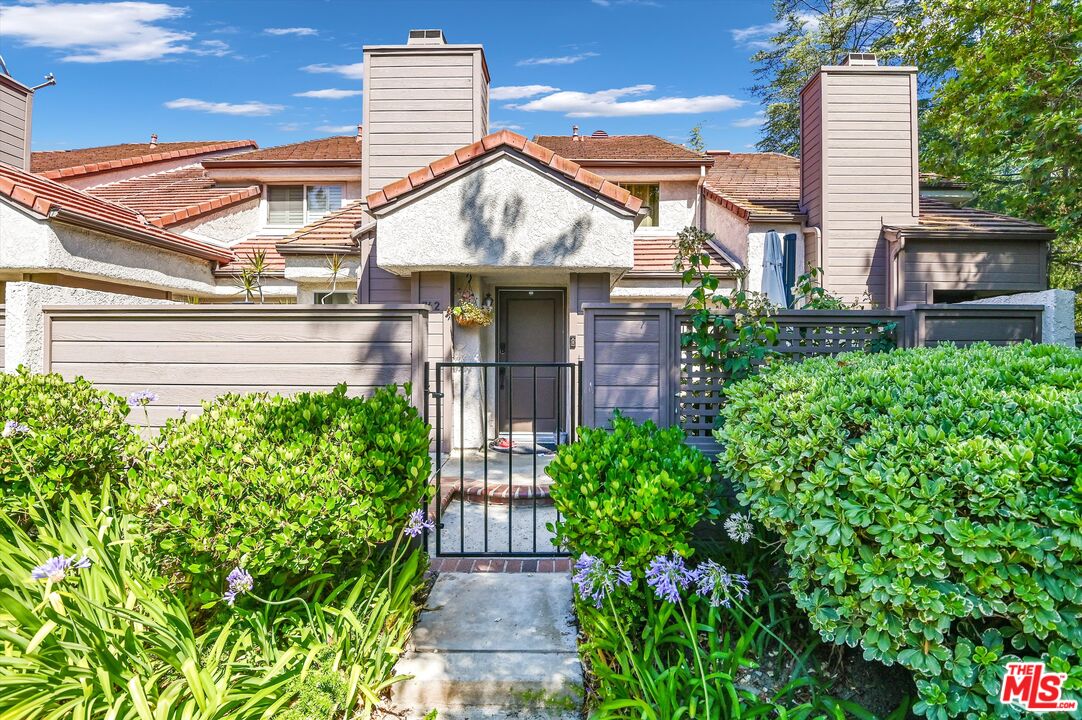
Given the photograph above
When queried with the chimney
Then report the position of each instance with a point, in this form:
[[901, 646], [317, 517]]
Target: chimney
[[600, 134], [360, 132], [858, 168], [16, 104], [422, 100], [153, 140], [575, 132]]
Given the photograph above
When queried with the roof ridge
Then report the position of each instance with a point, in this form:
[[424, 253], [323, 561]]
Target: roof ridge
[[105, 165]]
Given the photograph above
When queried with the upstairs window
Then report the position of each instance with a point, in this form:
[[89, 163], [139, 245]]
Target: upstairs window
[[297, 205], [648, 193]]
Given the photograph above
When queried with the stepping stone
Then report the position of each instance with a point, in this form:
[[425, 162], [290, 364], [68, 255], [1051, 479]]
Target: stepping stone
[[494, 645]]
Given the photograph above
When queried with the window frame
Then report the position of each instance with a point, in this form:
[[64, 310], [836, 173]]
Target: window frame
[[306, 216], [655, 208]]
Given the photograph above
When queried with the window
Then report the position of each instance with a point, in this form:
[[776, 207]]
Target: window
[[296, 205], [648, 193], [336, 298]]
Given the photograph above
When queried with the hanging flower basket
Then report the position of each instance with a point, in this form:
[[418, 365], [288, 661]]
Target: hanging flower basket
[[467, 313]]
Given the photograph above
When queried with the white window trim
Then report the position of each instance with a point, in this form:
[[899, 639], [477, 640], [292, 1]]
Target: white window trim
[[304, 203]]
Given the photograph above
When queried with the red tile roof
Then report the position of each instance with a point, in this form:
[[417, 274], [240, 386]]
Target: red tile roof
[[623, 149], [490, 143], [333, 233], [755, 186], [64, 164], [173, 196], [338, 150], [655, 256], [246, 250], [67, 205]]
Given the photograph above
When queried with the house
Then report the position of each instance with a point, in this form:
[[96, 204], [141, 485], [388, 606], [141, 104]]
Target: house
[[425, 202]]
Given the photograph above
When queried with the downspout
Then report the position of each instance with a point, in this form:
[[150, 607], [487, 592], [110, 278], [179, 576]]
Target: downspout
[[818, 241]]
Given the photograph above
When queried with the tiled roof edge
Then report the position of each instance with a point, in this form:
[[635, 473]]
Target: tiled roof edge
[[193, 211], [80, 170]]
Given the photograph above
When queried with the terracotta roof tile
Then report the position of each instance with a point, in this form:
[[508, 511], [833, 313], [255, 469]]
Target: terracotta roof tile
[[56, 164], [649, 148], [490, 143], [245, 250], [332, 149], [655, 256], [75, 207], [333, 231], [760, 186], [169, 197]]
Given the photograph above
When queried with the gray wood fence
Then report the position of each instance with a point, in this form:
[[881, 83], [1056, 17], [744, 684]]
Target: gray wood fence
[[187, 354], [634, 361]]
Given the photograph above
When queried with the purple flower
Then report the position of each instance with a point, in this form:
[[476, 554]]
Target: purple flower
[[417, 524], [142, 398], [240, 582], [14, 427], [595, 580], [716, 584], [55, 569], [668, 576], [739, 528]]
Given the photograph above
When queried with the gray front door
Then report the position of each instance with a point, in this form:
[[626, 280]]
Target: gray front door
[[531, 328]]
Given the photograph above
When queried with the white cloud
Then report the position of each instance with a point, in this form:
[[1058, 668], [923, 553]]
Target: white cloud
[[98, 32], [337, 129], [215, 48], [614, 3], [289, 126], [611, 103], [328, 94], [353, 72], [559, 60], [495, 125], [754, 121], [760, 37], [517, 92], [298, 31], [251, 108]]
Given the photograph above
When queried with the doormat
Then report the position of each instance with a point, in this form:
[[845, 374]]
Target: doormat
[[517, 447]]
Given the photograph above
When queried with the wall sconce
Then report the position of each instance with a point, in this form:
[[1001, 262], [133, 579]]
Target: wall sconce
[[487, 302]]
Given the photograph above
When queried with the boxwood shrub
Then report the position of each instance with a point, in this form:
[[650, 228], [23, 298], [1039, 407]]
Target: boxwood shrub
[[283, 485], [630, 494], [76, 438], [931, 506]]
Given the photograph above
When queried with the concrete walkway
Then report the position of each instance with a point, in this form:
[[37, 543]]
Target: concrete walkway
[[494, 645]]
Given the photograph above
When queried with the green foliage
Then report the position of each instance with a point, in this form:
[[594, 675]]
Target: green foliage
[[284, 486], [814, 33], [630, 494], [1004, 110], [77, 439], [929, 502], [695, 138]]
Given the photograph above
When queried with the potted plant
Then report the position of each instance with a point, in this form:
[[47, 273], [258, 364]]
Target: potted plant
[[468, 313]]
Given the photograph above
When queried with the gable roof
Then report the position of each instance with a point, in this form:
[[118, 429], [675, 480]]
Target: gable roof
[[56, 201], [621, 150], [246, 250], [173, 196], [755, 186], [655, 257], [337, 150], [331, 233], [464, 156], [57, 164]]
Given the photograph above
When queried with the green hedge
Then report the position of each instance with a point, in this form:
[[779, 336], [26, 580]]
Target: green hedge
[[931, 505], [630, 494], [71, 438], [283, 485]]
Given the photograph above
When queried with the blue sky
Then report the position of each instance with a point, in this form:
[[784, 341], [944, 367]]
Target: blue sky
[[280, 72]]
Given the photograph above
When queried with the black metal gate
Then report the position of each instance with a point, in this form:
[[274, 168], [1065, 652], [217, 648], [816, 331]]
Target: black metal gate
[[496, 427]]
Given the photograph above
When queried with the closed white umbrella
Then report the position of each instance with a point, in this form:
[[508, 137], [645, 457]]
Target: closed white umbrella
[[773, 270]]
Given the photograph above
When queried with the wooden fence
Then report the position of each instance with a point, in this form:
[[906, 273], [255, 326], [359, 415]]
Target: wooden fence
[[634, 361], [187, 354]]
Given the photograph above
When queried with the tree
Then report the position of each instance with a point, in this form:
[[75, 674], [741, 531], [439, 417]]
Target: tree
[[812, 33], [695, 138], [1003, 80]]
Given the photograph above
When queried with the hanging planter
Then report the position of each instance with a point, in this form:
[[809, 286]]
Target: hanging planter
[[467, 313]]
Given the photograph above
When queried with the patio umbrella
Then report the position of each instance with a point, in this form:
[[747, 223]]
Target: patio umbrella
[[773, 274]]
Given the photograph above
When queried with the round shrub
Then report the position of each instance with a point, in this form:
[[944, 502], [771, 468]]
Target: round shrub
[[283, 485], [630, 494], [66, 436], [931, 505]]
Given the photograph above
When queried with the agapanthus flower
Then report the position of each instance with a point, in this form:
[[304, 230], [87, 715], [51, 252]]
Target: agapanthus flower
[[142, 398], [418, 524], [14, 427], [596, 580], [718, 585], [739, 527], [668, 576], [239, 581], [55, 569]]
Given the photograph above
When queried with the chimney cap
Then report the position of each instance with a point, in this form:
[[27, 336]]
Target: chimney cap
[[432, 36], [855, 59], [719, 152], [153, 139], [599, 134]]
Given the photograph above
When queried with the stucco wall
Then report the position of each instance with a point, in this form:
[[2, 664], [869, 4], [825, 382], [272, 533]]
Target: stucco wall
[[25, 326], [504, 212], [1057, 325], [228, 225], [756, 244], [677, 205], [730, 232]]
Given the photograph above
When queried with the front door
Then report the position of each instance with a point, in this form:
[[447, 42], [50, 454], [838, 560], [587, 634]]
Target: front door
[[531, 328]]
